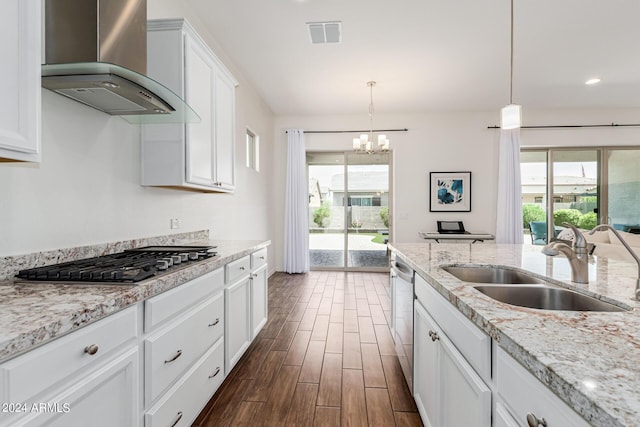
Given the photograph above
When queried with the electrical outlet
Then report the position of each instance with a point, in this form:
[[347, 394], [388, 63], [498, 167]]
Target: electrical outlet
[[174, 223]]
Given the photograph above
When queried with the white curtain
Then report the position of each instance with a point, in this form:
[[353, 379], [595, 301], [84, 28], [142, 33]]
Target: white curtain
[[296, 214], [509, 217]]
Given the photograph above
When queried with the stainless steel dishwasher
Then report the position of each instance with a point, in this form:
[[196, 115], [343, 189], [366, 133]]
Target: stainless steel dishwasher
[[402, 297]]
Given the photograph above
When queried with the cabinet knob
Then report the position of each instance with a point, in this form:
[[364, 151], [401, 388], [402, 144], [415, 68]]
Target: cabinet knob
[[215, 322], [91, 349], [215, 373], [241, 268], [177, 419], [261, 257], [534, 421], [178, 354], [434, 336]]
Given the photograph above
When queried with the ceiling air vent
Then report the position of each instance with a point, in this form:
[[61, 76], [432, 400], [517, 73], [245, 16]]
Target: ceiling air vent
[[325, 32]]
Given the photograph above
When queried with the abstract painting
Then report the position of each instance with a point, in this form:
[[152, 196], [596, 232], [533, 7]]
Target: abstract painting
[[450, 192]]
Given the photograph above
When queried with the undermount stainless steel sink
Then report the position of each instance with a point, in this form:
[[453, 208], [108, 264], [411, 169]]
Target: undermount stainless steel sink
[[546, 298], [489, 274]]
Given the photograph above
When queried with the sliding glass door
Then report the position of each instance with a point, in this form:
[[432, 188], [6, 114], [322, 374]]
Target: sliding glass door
[[348, 210], [623, 189], [581, 186]]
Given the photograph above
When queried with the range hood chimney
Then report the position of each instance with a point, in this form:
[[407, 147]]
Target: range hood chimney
[[96, 54]]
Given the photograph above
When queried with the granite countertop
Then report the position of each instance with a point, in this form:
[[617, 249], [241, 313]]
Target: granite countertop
[[32, 314], [590, 359]]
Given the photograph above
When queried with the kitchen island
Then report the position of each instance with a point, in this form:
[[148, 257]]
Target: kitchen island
[[588, 359]]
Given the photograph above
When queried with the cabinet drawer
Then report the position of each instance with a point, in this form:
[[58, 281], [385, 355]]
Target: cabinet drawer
[[182, 404], [63, 358], [168, 304], [236, 269], [474, 344], [258, 258], [523, 393], [172, 350]]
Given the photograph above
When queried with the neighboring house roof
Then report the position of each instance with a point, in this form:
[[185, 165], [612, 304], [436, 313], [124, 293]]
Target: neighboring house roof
[[372, 181], [561, 185]]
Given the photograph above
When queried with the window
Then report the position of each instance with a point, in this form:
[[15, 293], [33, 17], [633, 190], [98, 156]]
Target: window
[[253, 150]]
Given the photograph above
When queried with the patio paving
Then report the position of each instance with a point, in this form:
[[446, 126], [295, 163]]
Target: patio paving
[[326, 251]]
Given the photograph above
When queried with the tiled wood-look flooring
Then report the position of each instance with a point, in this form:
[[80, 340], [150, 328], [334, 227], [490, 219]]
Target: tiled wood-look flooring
[[324, 358]]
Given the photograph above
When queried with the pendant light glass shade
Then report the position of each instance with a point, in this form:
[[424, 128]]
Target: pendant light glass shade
[[511, 117]]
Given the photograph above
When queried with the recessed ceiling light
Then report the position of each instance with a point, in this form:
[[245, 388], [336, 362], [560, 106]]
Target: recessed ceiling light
[[592, 81]]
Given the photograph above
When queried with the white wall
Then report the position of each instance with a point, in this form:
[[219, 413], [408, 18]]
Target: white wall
[[446, 142], [86, 190]]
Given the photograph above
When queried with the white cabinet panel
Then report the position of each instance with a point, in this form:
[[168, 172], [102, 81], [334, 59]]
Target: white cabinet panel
[[184, 401], [237, 321], [259, 300], [524, 394], [26, 376], [425, 368], [20, 85], [197, 156], [170, 351], [105, 398]]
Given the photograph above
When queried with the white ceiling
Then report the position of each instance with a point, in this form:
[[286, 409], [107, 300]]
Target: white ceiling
[[432, 55]]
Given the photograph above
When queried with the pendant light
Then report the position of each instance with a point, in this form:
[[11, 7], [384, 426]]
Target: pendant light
[[364, 143], [511, 115]]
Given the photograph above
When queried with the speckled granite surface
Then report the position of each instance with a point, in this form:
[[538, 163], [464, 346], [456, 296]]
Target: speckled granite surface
[[32, 314], [590, 359]]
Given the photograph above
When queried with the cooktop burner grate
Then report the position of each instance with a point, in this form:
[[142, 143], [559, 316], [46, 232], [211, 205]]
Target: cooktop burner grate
[[130, 266]]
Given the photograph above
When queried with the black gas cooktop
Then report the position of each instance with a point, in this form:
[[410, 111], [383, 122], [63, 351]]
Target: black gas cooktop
[[130, 266]]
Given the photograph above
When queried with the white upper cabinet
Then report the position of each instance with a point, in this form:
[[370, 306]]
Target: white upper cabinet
[[197, 156], [20, 81]]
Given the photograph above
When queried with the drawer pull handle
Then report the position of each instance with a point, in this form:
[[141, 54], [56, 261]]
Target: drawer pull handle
[[261, 257], [534, 421], [215, 323], [178, 354], [241, 268], [434, 336], [91, 349], [215, 373], [178, 418]]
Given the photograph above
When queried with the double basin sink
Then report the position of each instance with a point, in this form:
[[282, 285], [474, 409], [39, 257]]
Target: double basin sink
[[525, 290]]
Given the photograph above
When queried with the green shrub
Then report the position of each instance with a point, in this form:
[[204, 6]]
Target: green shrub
[[322, 213], [588, 221], [572, 216], [532, 213], [384, 215]]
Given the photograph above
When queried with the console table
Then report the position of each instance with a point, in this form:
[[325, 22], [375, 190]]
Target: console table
[[474, 237]]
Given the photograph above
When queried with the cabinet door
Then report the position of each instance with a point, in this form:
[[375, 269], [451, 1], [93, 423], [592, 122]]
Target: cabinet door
[[107, 397], [259, 301], [237, 324], [224, 158], [20, 81], [425, 368], [461, 388], [199, 90]]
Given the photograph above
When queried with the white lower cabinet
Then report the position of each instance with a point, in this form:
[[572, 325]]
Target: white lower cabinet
[[237, 321], [88, 376], [529, 401], [259, 301], [183, 402], [448, 392]]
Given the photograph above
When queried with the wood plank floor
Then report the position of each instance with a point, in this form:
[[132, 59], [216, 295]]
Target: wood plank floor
[[324, 358]]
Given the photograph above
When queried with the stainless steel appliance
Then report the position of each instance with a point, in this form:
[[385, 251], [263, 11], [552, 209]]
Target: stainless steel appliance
[[96, 54], [402, 297], [128, 267]]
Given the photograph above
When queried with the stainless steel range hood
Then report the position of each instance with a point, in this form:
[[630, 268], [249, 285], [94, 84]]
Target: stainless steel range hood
[[96, 54]]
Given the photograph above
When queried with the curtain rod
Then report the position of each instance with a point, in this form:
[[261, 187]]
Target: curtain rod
[[572, 126], [354, 131]]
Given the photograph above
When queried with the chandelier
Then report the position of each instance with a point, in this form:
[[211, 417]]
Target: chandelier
[[511, 115], [365, 142]]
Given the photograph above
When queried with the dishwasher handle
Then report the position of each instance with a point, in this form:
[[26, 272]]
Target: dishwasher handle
[[402, 271]]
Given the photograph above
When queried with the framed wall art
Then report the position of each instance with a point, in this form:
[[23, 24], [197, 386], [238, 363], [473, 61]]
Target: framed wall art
[[450, 192]]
